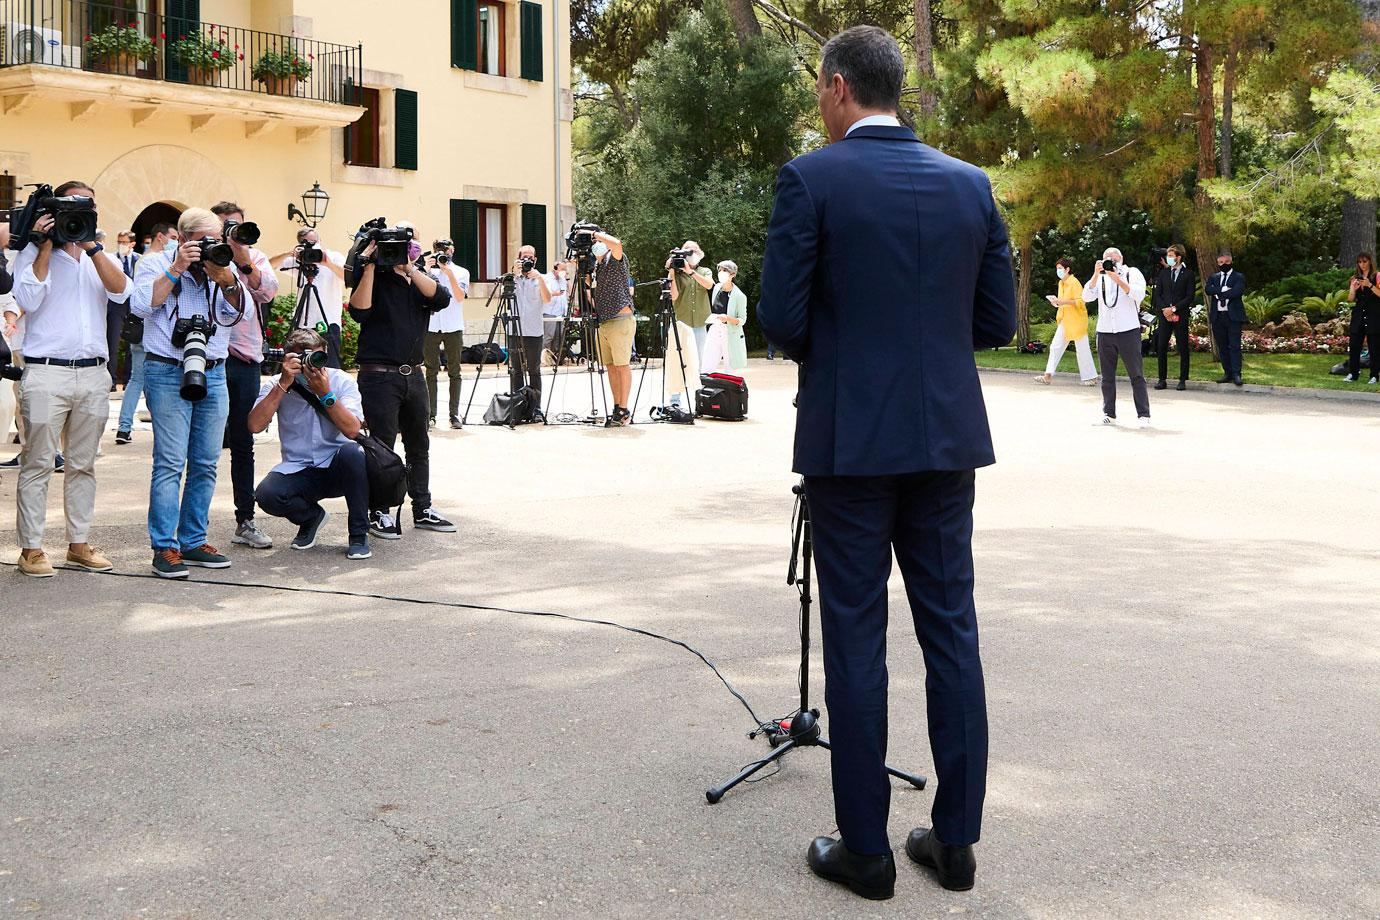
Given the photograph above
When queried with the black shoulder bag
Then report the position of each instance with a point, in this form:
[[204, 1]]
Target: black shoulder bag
[[386, 470]]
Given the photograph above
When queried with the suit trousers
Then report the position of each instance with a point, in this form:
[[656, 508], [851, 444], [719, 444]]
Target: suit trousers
[[1227, 332], [451, 342], [242, 380], [1179, 330], [1126, 346], [393, 405], [63, 408], [927, 519]]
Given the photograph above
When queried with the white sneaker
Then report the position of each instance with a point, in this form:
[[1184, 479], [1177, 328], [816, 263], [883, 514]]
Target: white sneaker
[[1145, 421], [1107, 422], [249, 534], [1374, 381], [1350, 378]]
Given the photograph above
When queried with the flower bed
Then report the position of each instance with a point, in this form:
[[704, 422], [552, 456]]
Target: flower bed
[[1257, 344]]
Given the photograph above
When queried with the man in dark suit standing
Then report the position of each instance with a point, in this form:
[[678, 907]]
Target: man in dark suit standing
[[1174, 301], [1224, 291], [887, 264]]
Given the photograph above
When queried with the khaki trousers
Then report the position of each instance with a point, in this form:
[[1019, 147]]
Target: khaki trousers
[[60, 406], [689, 353]]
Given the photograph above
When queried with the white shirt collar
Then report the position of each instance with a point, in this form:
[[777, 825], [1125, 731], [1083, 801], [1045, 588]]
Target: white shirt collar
[[890, 121]]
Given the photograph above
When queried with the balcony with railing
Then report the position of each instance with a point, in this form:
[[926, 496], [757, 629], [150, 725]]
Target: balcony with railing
[[91, 55]]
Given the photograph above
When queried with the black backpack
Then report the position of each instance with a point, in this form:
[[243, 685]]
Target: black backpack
[[386, 471], [513, 409]]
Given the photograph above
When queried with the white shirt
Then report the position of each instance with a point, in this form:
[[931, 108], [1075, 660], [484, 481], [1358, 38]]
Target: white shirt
[[560, 296], [1117, 311], [330, 287], [890, 121], [452, 318], [65, 313]]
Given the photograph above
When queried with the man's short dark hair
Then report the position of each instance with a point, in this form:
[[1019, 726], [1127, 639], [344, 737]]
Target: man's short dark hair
[[68, 188], [226, 207], [161, 229], [870, 62], [302, 340]]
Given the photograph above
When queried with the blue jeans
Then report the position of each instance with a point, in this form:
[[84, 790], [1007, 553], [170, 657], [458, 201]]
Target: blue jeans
[[133, 388], [188, 436]]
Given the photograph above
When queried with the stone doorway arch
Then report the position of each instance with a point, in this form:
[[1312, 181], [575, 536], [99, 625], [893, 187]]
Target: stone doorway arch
[[156, 213], [177, 176]]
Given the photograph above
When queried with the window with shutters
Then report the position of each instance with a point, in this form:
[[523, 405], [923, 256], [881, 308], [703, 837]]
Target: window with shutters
[[9, 195], [362, 137], [530, 34], [534, 231], [493, 40], [493, 241], [405, 129]]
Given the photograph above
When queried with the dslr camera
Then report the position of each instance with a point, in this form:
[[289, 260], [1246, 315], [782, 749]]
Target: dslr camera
[[190, 334], [74, 219], [8, 371], [1109, 265], [246, 233], [317, 358], [678, 257], [526, 265], [216, 252]]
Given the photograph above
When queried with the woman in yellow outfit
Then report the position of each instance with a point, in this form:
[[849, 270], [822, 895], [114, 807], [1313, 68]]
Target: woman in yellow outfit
[[1073, 327]]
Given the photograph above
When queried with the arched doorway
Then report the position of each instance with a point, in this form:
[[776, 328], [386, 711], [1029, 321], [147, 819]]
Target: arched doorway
[[156, 213]]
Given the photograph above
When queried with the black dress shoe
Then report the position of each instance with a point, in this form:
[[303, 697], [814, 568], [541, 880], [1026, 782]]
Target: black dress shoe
[[1161, 386], [954, 865], [1238, 381], [873, 877], [1182, 386], [1224, 379]]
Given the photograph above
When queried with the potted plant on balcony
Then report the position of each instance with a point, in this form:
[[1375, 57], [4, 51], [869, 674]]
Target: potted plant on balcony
[[118, 49], [205, 55], [281, 70]]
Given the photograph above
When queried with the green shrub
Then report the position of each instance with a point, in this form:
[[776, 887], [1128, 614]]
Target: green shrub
[[1042, 311], [1318, 284], [1261, 309], [280, 316], [282, 64], [1322, 309], [115, 40], [209, 52]]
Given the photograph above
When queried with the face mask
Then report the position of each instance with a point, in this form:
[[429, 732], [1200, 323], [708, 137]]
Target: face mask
[[124, 249], [599, 250], [1225, 266], [414, 251], [170, 248], [725, 277], [1171, 261], [694, 260], [1061, 272]]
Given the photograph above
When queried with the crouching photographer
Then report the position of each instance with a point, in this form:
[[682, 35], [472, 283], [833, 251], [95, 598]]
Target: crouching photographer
[[319, 416], [185, 298]]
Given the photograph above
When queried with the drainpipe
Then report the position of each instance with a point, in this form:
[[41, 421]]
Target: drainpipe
[[556, 111]]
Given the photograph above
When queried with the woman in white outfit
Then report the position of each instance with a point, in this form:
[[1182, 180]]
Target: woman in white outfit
[[725, 346], [1073, 327]]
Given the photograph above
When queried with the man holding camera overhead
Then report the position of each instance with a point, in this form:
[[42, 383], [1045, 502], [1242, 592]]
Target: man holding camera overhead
[[325, 268], [243, 367], [185, 300], [446, 330], [63, 289], [393, 301]]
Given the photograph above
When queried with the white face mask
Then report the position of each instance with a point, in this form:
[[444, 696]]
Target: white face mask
[[725, 277], [124, 249], [1061, 272], [694, 260], [599, 250]]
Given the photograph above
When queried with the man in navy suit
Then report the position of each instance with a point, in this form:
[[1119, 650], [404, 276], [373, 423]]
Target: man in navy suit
[[887, 264], [1224, 291]]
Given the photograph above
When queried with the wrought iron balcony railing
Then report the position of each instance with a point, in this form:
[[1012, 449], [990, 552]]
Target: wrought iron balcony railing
[[116, 38]]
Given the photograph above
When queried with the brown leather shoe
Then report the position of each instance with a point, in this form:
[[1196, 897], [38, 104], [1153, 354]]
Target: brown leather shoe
[[91, 560], [36, 566]]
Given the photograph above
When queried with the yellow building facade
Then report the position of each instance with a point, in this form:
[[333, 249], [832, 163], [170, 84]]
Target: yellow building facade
[[452, 114]]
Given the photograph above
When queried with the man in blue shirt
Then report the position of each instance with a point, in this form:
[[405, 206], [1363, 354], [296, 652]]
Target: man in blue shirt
[[320, 456]]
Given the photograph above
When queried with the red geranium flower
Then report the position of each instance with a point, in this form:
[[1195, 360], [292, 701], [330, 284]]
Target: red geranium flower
[[162, 34], [215, 54]]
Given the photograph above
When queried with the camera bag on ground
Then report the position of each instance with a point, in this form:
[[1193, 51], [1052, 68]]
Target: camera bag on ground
[[386, 471], [513, 409], [484, 353], [722, 396]]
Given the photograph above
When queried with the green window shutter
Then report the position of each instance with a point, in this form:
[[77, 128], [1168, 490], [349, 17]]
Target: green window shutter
[[464, 233], [350, 95], [534, 231], [464, 34], [405, 129], [181, 18], [531, 34]]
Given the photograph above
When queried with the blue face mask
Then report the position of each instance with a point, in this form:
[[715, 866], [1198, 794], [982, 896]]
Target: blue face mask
[[1171, 261], [1061, 272], [170, 248], [599, 250]]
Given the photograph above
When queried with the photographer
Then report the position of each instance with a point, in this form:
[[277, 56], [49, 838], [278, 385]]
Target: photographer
[[320, 456], [64, 394], [243, 370], [1119, 291], [532, 297], [553, 317], [1173, 299], [187, 433], [690, 287], [164, 238], [613, 306], [393, 306], [447, 328], [1224, 291], [327, 277]]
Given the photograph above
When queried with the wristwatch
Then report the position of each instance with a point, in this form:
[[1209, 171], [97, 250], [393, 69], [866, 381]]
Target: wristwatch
[[246, 270], [329, 399], [95, 249], [232, 289]]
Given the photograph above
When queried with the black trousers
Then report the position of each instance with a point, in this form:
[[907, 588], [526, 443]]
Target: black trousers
[[1179, 330], [115, 314], [297, 496], [529, 360], [1365, 324], [927, 520], [1228, 336], [333, 347], [242, 379], [395, 404]]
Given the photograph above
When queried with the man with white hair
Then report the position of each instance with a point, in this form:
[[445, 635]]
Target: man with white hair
[[690, 287], [1118, 291]]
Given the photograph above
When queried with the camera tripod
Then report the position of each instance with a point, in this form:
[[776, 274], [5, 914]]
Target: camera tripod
[[307, 294], [801, 729], [670, 329], [505, 314], [588, 318]]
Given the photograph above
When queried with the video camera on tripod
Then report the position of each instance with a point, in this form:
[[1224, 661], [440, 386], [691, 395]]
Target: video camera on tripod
[[74, 219]]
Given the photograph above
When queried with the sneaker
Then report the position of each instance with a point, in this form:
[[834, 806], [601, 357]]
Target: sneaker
[[455, 421], [431, 423], [167, 563], [384, 525], [430, 520], [1374, 380], [1350, 378], [91, 561], [12, 462], [206, 556], [359, 548], [1144, 421], [123, 437], [1107, 422], [59, 464], [306, 533], [249, 534], [36, 566]]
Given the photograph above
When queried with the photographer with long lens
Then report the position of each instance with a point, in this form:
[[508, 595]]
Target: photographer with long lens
[[524, 342], [320, 286], [244, 366], [690, 287], [319, 416], [446, 331], [185, 299], [613, 306], [62, 283], [393, 301]]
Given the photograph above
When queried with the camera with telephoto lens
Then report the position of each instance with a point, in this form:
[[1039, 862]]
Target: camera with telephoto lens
[[679, 257], [190, 334], [1109, 265], [441, 258], [316, 358], [245, 233], [215, 251], [74, 219]]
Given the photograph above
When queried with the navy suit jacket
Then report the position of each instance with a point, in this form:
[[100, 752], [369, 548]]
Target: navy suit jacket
[[887, 264], [1235, 287]]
